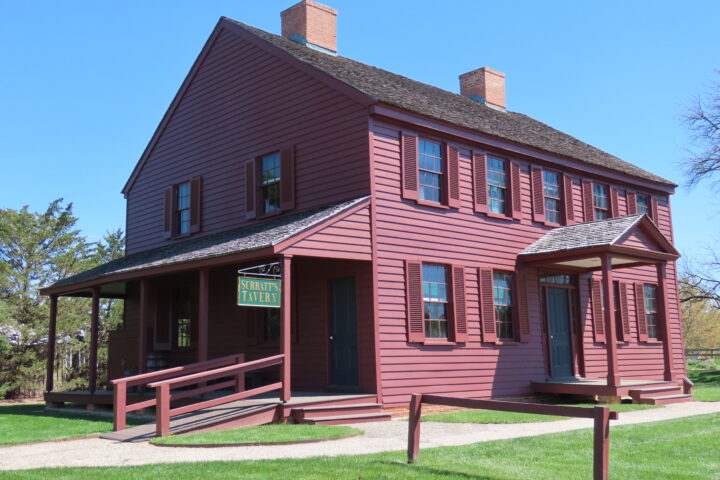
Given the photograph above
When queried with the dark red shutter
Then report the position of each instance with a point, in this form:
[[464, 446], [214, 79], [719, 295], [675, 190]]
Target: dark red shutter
[[453, 177], [515, 191], [409, 146], [487, 304], [588, 206], [632, 203], [168, 213], [597, 310], [520, 298], [614, 206], [287, 179], [538, 195], [654, 209], [568, 200], [250, 177], [413, 284], [624, 314], [195, 204], [480, 192], [459, 310], [640, 312]]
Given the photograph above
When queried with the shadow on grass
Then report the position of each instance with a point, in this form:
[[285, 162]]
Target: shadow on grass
[[38, 410], [711, 377]]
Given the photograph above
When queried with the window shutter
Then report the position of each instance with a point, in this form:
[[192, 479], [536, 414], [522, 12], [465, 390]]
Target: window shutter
[[168, 216], [640, 312], [409, 166], [480, 193], [250, 177], [568, 200], [520, 299], [624, 315], [459, 310], [614, 207], [515, 191], [287, 179], [487, 303], [588, 208], [453, 177], [195, 204], [597, 310], [632, 203], [413, 284], [654, 209], [538, 196]]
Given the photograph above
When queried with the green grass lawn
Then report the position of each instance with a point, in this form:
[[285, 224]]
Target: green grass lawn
[[684, 449], [707, 385], [29, 422], [262, 434], [491, 416]]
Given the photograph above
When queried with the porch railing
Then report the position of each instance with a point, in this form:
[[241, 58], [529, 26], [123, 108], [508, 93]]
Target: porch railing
[[164, 396], [120, 386]]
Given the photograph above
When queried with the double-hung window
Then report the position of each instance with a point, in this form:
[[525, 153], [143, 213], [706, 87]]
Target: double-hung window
[[182, 209], [502, 299], [497, 185], [601, 201], [651, 310], [643, 204], [270, 183], [430, 170], [551, 195], [183, 323], [435, 300]]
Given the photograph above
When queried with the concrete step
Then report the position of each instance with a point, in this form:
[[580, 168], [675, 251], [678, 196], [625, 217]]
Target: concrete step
[[665, 399], [342, 419], [638, 393], [303, 413]]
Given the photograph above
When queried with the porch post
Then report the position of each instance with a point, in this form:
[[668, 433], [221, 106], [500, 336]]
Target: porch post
[[51, 344], [94, 327], [665, 319], [142, 323], [203, 306], [613, 378], [286, 313]]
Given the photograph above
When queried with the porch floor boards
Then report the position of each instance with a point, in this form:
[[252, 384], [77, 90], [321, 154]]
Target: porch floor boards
[[596, 386]]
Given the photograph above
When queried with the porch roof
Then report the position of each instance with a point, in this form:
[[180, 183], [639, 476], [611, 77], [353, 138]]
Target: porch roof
[[252, 237]]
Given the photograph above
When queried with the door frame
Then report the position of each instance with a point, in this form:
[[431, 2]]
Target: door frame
[[329, 333], [576, 330]]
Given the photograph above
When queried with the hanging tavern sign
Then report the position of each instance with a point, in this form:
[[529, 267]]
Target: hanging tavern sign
[[260, 286]]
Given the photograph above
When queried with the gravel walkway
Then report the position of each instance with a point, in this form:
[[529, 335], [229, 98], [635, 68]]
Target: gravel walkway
[[379, 437]]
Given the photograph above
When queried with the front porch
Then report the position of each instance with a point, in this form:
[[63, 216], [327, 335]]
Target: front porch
[[652, 392]]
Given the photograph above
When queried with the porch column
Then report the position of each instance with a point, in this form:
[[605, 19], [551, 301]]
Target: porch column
[[203, 307], [51, 344], [613, 378], [662, 311], [94, 327], [286, 313], [142, 323]]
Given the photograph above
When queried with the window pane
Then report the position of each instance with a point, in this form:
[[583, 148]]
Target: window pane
[[270, 169], [551, 184], [435, 300], [643, 204]]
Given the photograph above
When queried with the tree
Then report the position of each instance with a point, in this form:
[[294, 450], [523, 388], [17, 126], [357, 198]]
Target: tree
[[702, 120]]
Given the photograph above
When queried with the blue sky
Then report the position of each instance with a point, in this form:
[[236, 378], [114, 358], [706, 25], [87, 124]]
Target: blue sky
[[83, 84]]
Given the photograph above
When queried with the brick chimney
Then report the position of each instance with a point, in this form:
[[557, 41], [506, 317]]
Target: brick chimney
[[484, 85], [312, 24]]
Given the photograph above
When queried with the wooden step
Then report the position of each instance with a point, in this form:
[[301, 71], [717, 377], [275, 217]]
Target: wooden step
[[343, 419], [303, 413], [665, 399], [638, 393]]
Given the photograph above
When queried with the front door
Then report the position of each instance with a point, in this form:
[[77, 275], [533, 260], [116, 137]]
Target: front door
[[343, 333], [558, 311]]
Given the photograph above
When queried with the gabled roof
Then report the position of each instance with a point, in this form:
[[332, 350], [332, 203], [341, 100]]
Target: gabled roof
[[252, 237], [381, 86], [601, 233]]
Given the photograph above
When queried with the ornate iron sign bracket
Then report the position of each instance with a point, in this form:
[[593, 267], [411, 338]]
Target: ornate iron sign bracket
[[267, 270]]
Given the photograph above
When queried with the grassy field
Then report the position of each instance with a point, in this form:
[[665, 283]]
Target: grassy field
[[707, 385], [490, 416], [29, 422], [677, 449], [262, 434]]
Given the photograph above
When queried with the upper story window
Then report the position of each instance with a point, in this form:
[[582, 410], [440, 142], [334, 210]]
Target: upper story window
[[497, 184], [435, 300], [270, 182], [551, 194], [643, 204], [430, 170], [183, 208], [502, 299], [651, 310], [601, 201]]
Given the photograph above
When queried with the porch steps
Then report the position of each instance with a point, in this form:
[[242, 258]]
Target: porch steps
[[339, 414], [663, 395]]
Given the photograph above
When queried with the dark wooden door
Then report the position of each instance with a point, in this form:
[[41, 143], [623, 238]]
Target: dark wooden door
[[558, 311], [343, 333]]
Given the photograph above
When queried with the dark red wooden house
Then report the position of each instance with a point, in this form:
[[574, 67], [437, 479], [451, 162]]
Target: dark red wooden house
[[426, 241]]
